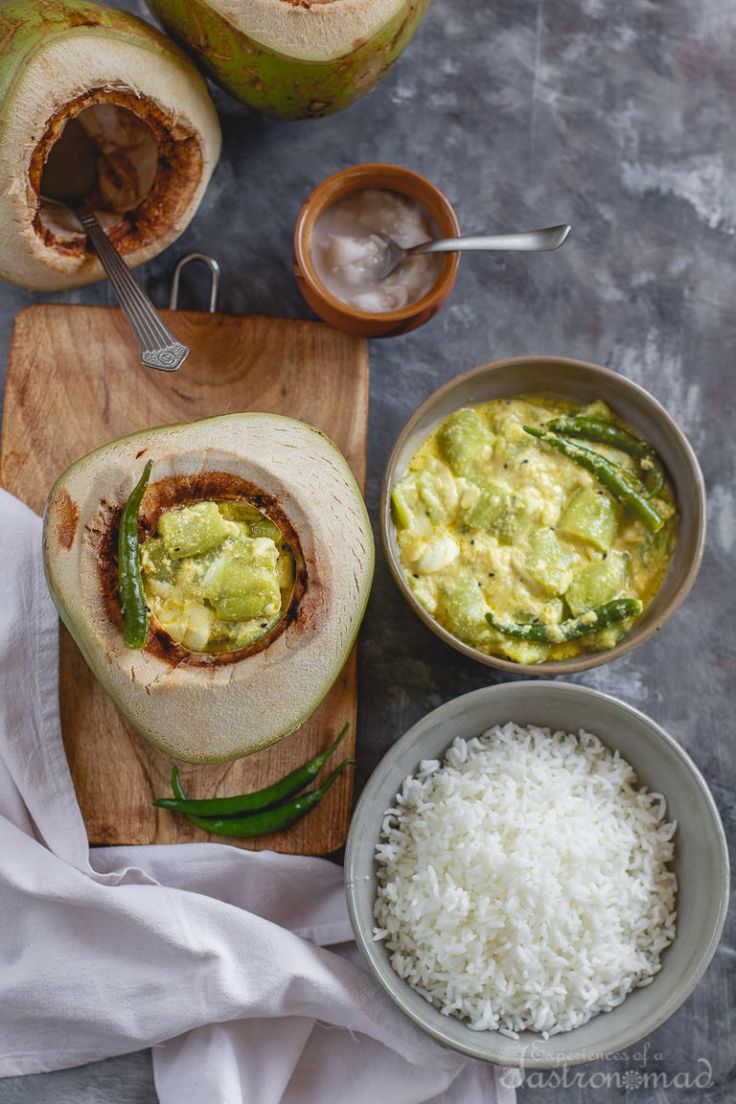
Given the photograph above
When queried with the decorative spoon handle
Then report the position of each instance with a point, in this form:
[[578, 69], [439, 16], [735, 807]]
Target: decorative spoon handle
[[159, 347]]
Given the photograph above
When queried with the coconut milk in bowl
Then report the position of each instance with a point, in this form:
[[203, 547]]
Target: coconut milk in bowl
[[338, 252], [348, 252]]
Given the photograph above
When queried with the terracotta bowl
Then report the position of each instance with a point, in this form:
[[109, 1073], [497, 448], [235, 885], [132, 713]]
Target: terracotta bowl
[[393, 178], [580, 382]]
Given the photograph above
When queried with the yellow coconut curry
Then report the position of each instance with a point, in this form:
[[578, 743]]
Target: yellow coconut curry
[[217, 575], [534, 529]]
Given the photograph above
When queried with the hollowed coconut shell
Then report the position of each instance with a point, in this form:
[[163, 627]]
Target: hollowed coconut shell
[[201, 707], [147, 112], [295, 59]]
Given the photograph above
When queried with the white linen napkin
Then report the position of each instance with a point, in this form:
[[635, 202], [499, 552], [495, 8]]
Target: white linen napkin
[[214, 956]]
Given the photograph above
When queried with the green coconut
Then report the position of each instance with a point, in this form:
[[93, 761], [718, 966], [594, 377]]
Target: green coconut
[[212, 706], [146, 111], [294, 59]]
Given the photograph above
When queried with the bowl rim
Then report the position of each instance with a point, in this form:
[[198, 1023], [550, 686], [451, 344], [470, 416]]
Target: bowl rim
[[376, 174], [391, 983], [637, 635]]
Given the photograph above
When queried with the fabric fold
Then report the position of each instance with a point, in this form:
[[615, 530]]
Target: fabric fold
[[236, 967]]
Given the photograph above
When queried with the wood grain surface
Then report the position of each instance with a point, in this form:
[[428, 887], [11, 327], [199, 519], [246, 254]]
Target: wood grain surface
[[74, 383]]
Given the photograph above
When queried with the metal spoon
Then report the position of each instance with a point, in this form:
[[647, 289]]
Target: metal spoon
[[69, 176], [532, 241]]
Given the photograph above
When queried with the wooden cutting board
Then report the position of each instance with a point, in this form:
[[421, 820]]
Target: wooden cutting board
[[74, 382]]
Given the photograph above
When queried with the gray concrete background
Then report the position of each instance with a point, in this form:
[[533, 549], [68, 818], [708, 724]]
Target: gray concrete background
[[618, 117]]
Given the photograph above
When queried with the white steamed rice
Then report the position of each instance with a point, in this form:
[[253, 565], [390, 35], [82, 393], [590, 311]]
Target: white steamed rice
[[523, 881]]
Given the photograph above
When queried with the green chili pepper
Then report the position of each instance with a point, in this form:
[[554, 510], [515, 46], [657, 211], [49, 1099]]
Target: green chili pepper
[[176, 784], [275, 819], [259, 799], [589, 622], [608, 433], [130, 581], [623, 487]]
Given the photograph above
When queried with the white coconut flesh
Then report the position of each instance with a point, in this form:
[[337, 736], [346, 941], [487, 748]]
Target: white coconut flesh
[[153, 126], [200, 707], [309, 30]]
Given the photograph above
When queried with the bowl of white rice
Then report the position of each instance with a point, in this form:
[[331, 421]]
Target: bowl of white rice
[[537, 874]]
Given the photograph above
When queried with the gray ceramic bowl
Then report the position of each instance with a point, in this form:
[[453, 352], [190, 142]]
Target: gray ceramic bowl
[[701, 862], [580, 382]]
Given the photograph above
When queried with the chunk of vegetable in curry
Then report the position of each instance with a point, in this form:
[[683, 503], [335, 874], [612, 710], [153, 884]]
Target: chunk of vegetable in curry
[[217, 575], [491, 520]]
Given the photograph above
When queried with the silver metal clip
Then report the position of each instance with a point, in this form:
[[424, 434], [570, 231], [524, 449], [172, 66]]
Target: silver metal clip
[[214, 268]]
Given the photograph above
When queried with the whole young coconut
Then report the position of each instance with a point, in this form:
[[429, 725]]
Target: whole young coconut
[[147, 117], [295, 59], [254, 556]]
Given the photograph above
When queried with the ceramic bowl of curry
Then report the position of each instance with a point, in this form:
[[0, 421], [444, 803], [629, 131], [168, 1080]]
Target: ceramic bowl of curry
[[556, 567]]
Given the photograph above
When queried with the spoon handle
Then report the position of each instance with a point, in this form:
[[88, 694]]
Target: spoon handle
[[551, 237], [159, 348]]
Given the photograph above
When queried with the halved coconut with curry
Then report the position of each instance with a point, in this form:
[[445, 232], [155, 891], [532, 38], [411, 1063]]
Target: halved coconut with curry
[[256, 559], [81, 82]]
